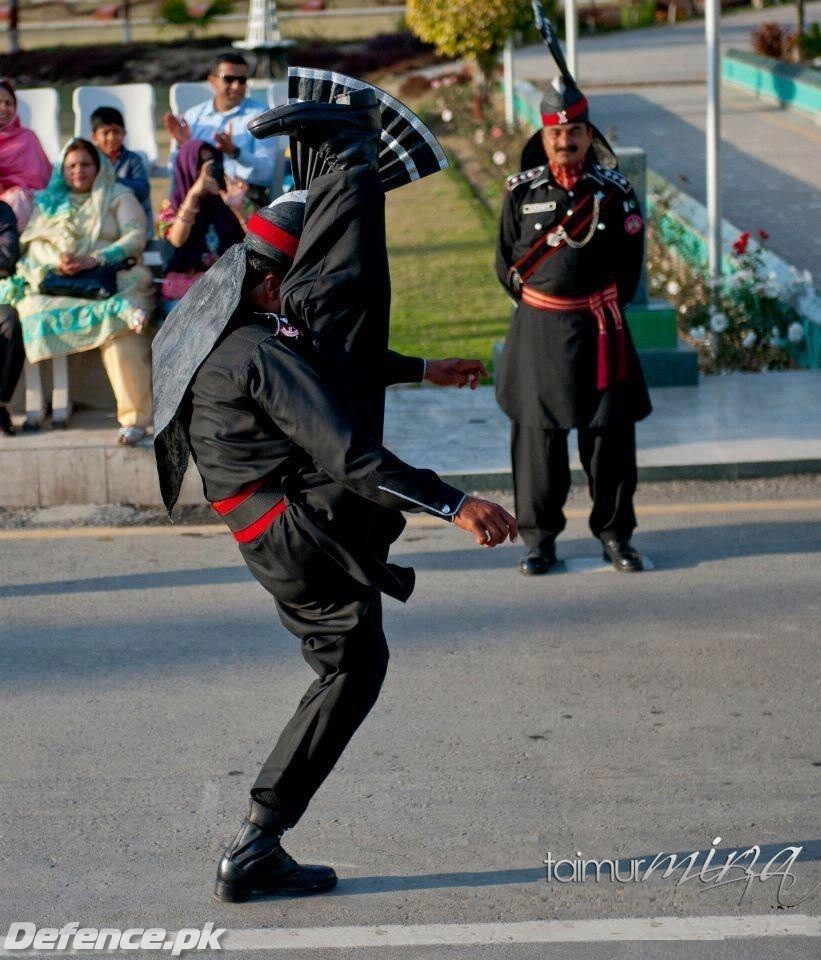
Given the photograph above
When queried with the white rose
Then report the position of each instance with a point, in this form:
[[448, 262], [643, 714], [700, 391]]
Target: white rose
[[447, 115], [749, 339], [673, 288], [500, 158], [795, 332], [698, 333], [718, 323]]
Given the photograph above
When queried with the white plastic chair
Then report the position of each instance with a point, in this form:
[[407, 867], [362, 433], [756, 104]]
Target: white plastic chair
[[183, 96], [136, 103], [39, 110]]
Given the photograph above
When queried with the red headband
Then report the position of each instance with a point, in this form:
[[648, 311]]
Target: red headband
[[565, 116], [271, 233]]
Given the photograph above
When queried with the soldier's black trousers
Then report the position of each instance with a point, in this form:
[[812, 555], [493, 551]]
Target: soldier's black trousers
[[346, 648], [541, 479]]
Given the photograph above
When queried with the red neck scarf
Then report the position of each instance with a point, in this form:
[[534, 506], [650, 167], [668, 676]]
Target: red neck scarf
[[567, 176]]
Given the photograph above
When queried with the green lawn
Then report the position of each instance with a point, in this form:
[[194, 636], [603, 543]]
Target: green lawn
[[446, 298]]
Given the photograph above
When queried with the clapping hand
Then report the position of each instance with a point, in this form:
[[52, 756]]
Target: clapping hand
[[178, 128], [233, 195], [225, 142]]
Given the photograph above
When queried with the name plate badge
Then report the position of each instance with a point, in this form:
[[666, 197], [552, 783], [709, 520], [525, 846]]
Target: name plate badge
[[545, 207]]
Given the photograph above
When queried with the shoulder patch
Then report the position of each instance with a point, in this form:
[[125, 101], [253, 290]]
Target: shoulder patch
[[613, 176], [524, 177]]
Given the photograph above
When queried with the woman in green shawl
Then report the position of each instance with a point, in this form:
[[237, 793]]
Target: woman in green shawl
[[85, 219]]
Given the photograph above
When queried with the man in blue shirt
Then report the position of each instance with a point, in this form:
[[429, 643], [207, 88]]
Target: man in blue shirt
[[223, 121]]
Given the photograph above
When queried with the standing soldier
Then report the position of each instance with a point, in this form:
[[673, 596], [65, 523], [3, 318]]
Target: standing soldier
[[570, 252]]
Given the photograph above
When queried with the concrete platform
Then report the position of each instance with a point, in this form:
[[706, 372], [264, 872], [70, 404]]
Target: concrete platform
[[734, 426]]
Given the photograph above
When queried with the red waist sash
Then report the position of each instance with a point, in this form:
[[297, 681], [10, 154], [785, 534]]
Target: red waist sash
[[251, 510], [604, 305]]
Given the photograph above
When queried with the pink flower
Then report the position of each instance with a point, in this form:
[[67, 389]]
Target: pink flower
[[496, 132]]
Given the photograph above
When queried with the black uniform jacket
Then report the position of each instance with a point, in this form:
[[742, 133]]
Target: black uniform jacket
[[546, 376], [339, 290], [259, 409]]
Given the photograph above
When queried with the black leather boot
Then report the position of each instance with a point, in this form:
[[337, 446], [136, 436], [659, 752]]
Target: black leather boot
[[254, 862], [537, 562], [345, 133], [6, 424], [621, 553]]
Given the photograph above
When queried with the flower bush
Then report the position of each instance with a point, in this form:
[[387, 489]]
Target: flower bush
[[746, 321]]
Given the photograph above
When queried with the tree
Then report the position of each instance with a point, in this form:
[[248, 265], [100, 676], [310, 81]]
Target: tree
[[472, 29]]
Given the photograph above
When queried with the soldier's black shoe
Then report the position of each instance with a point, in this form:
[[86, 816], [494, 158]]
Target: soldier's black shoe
[[621, 553], [254, 862], [345, 133], [536, 562]]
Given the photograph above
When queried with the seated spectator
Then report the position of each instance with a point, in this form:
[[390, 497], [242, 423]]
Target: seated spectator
[[11, 363], [223, 122], [11, 336], [81, 224], [108, 134], [24, 167], [204, 216]]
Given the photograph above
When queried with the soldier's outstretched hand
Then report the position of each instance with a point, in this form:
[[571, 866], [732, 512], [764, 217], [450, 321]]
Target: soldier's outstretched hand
[[455, 372], [490, 523]]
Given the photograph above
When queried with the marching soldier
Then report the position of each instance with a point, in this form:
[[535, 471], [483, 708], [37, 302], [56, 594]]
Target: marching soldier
[[284, 459], [570, 253]]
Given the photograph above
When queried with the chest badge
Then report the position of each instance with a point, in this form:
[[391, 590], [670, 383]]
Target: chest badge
[[546, 207], [633, 224]]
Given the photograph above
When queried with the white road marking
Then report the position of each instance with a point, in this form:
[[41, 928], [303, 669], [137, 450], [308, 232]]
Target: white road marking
[[532, 931]]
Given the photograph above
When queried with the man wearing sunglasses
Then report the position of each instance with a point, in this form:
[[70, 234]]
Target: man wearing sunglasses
[[223, 121]]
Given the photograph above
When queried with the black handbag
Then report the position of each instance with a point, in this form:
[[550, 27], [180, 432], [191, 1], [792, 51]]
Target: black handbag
[[98, 283]]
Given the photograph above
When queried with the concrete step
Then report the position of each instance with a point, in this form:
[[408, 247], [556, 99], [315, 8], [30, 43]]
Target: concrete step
[[653, 325], [676, 367]]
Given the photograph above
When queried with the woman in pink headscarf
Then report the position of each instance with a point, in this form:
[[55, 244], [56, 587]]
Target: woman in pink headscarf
[[24, 167]]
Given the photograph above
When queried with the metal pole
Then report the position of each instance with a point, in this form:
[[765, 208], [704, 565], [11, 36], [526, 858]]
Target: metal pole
[[571, 35], [14, 27], [126, 21], [507, 61], [712, 18]]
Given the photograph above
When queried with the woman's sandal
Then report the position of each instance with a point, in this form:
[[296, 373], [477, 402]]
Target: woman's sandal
[[129, 436]]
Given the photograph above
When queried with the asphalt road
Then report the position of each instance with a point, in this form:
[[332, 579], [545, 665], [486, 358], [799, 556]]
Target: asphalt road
[[144, 677]]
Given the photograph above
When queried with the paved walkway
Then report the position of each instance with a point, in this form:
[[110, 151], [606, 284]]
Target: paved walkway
[[651, 94], [729, 426]]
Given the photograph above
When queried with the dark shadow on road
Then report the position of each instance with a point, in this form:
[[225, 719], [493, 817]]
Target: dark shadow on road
[[811, 851], [157, 580], [669, 549], [675, 549]]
